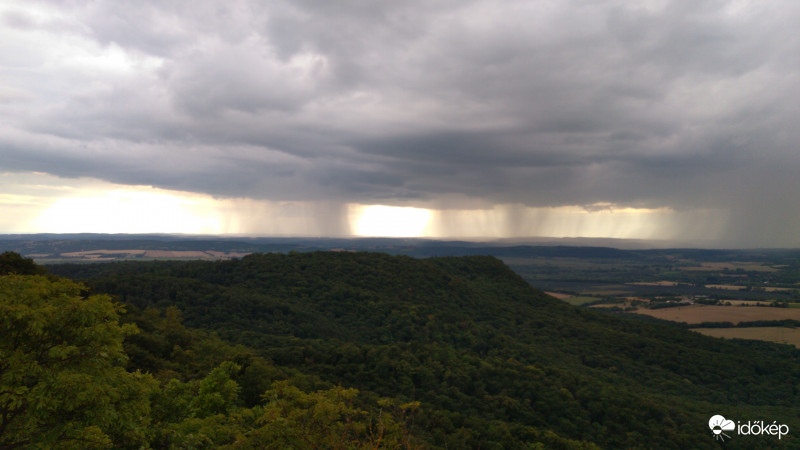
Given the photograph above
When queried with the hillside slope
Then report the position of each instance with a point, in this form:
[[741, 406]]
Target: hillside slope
[[493, 361]]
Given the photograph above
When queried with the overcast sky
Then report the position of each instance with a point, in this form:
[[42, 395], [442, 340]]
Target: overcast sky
[[652, 119]]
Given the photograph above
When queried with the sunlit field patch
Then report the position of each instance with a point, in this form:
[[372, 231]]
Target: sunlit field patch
[[733, 314], [776, 289], [726, 287], [782, 335], [576, 300]]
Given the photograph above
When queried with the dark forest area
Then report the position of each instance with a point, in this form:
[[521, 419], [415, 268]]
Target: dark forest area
[[361, 350]]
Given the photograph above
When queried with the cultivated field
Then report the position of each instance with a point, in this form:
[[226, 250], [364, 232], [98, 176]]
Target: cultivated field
[[175, 254], [708, 313], [777, 289], [726, 287], [733, 265], [655, 283], [782, 335], [110, 255], [575, 300], [610, 290]]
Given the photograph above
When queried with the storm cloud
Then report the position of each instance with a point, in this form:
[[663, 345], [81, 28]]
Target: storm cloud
[[660, 105]]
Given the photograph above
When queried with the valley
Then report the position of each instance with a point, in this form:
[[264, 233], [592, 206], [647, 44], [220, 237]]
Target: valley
[[736, 290]]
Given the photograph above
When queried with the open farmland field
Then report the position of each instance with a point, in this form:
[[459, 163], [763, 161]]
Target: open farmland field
[[175, 254], [655, 283], [734, 314], [781, 335], [726, 287], [573, 299], [102, 255], [95, 253], [733, 265]]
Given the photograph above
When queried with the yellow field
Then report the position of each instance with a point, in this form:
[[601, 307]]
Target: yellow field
[[777, 289], [773, 334], [175, 254], [96, 253], [712, 313]]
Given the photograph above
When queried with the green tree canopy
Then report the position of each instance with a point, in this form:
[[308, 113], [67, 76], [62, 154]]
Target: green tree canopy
[[11, 262], [62, 376]]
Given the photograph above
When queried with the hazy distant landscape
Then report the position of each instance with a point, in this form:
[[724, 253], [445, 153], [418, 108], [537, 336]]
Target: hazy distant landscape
[[739, 290]]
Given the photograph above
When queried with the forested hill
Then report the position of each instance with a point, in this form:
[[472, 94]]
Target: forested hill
[[492, 361]]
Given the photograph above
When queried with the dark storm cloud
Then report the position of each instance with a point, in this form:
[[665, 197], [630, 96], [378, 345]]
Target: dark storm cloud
[[683, 105]]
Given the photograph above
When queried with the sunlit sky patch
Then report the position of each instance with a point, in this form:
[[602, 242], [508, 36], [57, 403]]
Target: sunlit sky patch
[[131, 210], [390, 221], [89, 205]]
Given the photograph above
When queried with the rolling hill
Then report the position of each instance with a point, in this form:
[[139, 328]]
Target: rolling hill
[[494, 362]]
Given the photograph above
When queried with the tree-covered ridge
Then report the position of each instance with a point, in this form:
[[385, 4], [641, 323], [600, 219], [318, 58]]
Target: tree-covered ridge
[[63, 383], [492, 361]]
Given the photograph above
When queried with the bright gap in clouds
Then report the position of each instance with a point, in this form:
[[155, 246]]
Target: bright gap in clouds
[[390, 221], [41, 203], [134, 210]]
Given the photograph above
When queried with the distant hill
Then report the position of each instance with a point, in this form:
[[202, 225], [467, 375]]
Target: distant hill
[[54, 247], [494, 362], [87, 247]]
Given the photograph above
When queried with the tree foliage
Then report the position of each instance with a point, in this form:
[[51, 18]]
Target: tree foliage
[[14, 263], [62, 375]]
